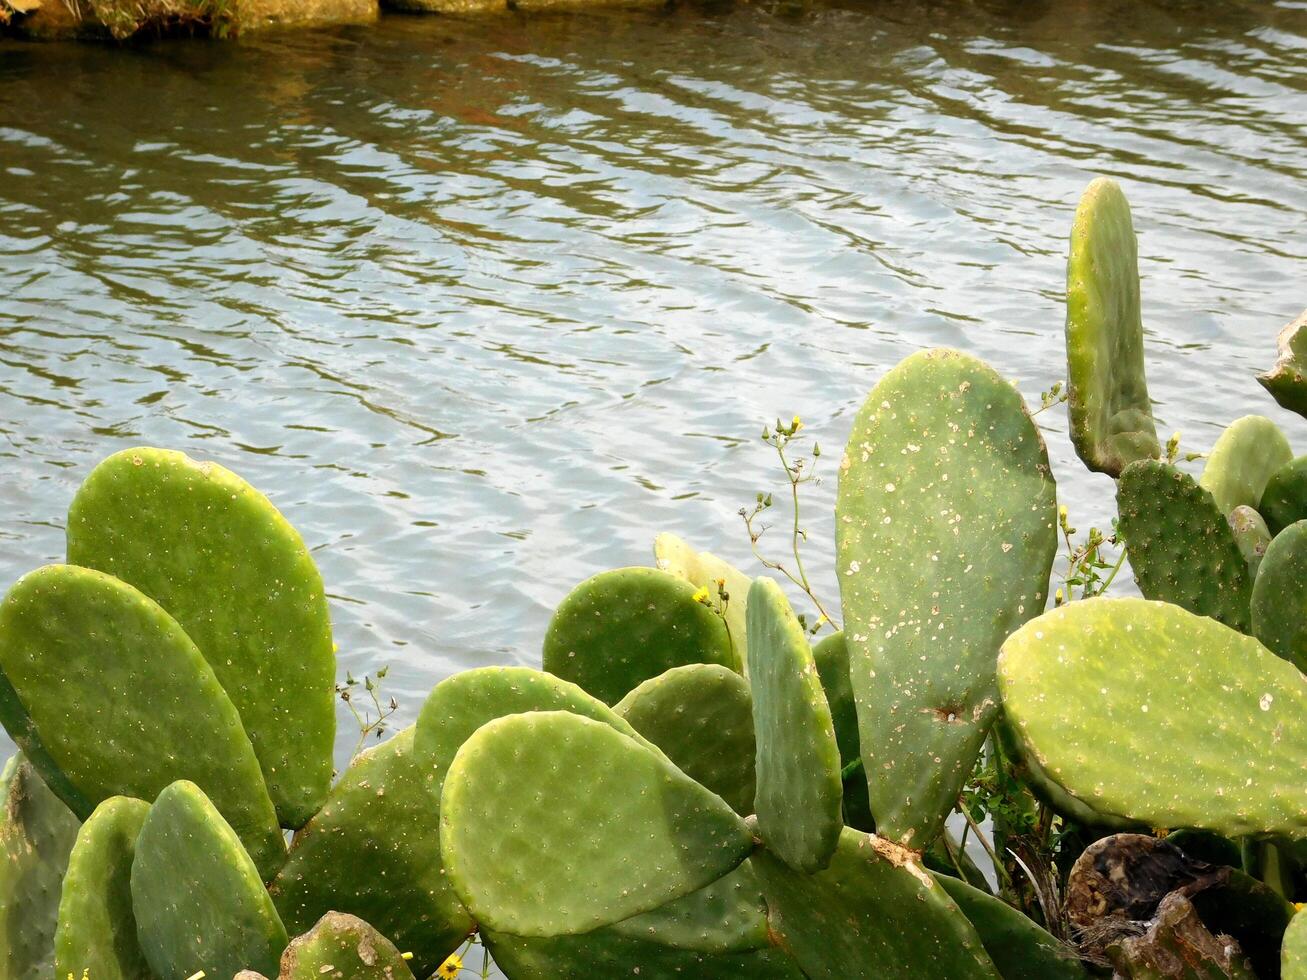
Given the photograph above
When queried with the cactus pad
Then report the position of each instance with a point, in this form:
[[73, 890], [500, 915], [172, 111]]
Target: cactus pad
[[374, 851], [97, 931], [1147, 711], [799, 794], [874, 912], [1287, 381], [36, 835], [1020, 949], [945, 536], [81, 648], [1181, 546], [196, 895], [727, 916], [1279, 606], [701, 716], [704, 570], [1285, 499], [624, 626], [1244, 457], [1110, 413], [831, 656], [1293, 953], [600, 826], [220, 558], [1251, 535], [345, 947]]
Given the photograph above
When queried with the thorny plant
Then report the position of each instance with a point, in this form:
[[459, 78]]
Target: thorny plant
[[368, 724]]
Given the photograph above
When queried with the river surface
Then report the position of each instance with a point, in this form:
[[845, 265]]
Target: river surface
[[483, 305]]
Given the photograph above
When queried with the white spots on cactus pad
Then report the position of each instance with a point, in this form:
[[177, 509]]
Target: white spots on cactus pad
[[1265, 702]]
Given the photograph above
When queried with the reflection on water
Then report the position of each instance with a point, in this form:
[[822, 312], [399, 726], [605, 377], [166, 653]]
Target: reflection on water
[[484, 305]]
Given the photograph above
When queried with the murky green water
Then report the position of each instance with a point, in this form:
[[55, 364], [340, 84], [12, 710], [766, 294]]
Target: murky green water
[[484, 305]]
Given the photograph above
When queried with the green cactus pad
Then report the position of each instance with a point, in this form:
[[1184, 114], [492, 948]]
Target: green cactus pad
[[624, 626], [875, 912], [704, 570], [97, 932], [701, 716], [1246, 455], [1251, 535], [36, 835], [1287, 381], [1285, 500], [799, 794], [831, 655], [197, 897], [83, 650], [373, 850], [1181, 546], [946, 528], [603, 954], [1150, 712], [1279, 606], [1111, 416], [220, 558], [1020, 949], [345, 947], [600, 825], [1293, 954], [727, 916]]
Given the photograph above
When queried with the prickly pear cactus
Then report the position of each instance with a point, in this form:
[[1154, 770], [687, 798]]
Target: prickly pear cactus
[[1147, 711], [1019, 948], [196, 895], [704, 570], [701, 716], [97, 931], [727, 916], [1111, 416], [1245, 456], [36, 835], [945, 535], [799, 794], [79, 647], [875, 912], [1181, 546], [1293, 954], [1251, 535], [373, 850], [345, 947], [1285, 499], [1287, 380], [1279, 606], [624, 626], [220, 558], [831, 656], [601, 826]]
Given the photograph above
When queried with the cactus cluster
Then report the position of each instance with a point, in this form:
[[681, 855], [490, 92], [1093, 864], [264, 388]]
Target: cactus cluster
[[698, 783]]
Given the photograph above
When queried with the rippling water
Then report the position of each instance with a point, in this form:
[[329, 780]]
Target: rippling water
[[483, 305]]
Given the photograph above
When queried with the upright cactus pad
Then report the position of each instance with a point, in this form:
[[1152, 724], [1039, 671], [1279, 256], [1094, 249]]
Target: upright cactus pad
[[1251, 535], [727, 916], [799, 794], [704, 570], [1147, 711], [373, 850], [831, 656], [1285, 499], [624, 626], [601, 826], [343, 947], [701, 716], [124, 703], [1020, 949], [36, 835], [213, 552], [1279, 606], [1111, 416], [875, 912], [1245, 456], [1182, 548], [946, 528], [197, 897], [1287, 380], [1293, 953], [97, 931]]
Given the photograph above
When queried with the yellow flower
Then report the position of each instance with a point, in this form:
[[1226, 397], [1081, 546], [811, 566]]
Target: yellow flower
[[701, 596], [796, 425], [451, 967]]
